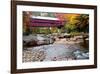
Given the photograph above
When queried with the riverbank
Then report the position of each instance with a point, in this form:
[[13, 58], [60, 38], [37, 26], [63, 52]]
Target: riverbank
[[53, 48]]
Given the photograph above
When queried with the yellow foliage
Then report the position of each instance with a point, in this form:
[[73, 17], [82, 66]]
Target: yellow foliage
[[71, 17]]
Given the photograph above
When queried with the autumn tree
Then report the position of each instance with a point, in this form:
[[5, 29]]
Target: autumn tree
[[78, 23], [26, 22]]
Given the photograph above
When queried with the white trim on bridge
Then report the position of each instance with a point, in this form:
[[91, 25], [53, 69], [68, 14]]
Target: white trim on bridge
[[45, 18]]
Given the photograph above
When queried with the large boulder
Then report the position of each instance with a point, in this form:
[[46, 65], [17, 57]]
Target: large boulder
[[30, 43], [81, 54]]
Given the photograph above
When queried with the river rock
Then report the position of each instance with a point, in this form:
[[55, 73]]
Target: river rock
[[31, 56]]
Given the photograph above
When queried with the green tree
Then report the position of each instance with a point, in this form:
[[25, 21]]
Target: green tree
[[83, 23], [70, 27]]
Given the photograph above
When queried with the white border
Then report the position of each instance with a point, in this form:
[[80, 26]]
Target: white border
[[21, 65]]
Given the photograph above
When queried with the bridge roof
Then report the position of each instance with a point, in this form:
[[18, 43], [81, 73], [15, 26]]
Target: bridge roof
[[45, 18]]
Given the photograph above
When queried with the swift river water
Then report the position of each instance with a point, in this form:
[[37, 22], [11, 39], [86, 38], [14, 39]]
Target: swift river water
[[55, 52]]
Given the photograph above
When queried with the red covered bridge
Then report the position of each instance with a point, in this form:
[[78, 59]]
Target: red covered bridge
[[39, 21]]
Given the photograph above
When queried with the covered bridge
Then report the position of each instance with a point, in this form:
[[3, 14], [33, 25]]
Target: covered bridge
[[40, 21]]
